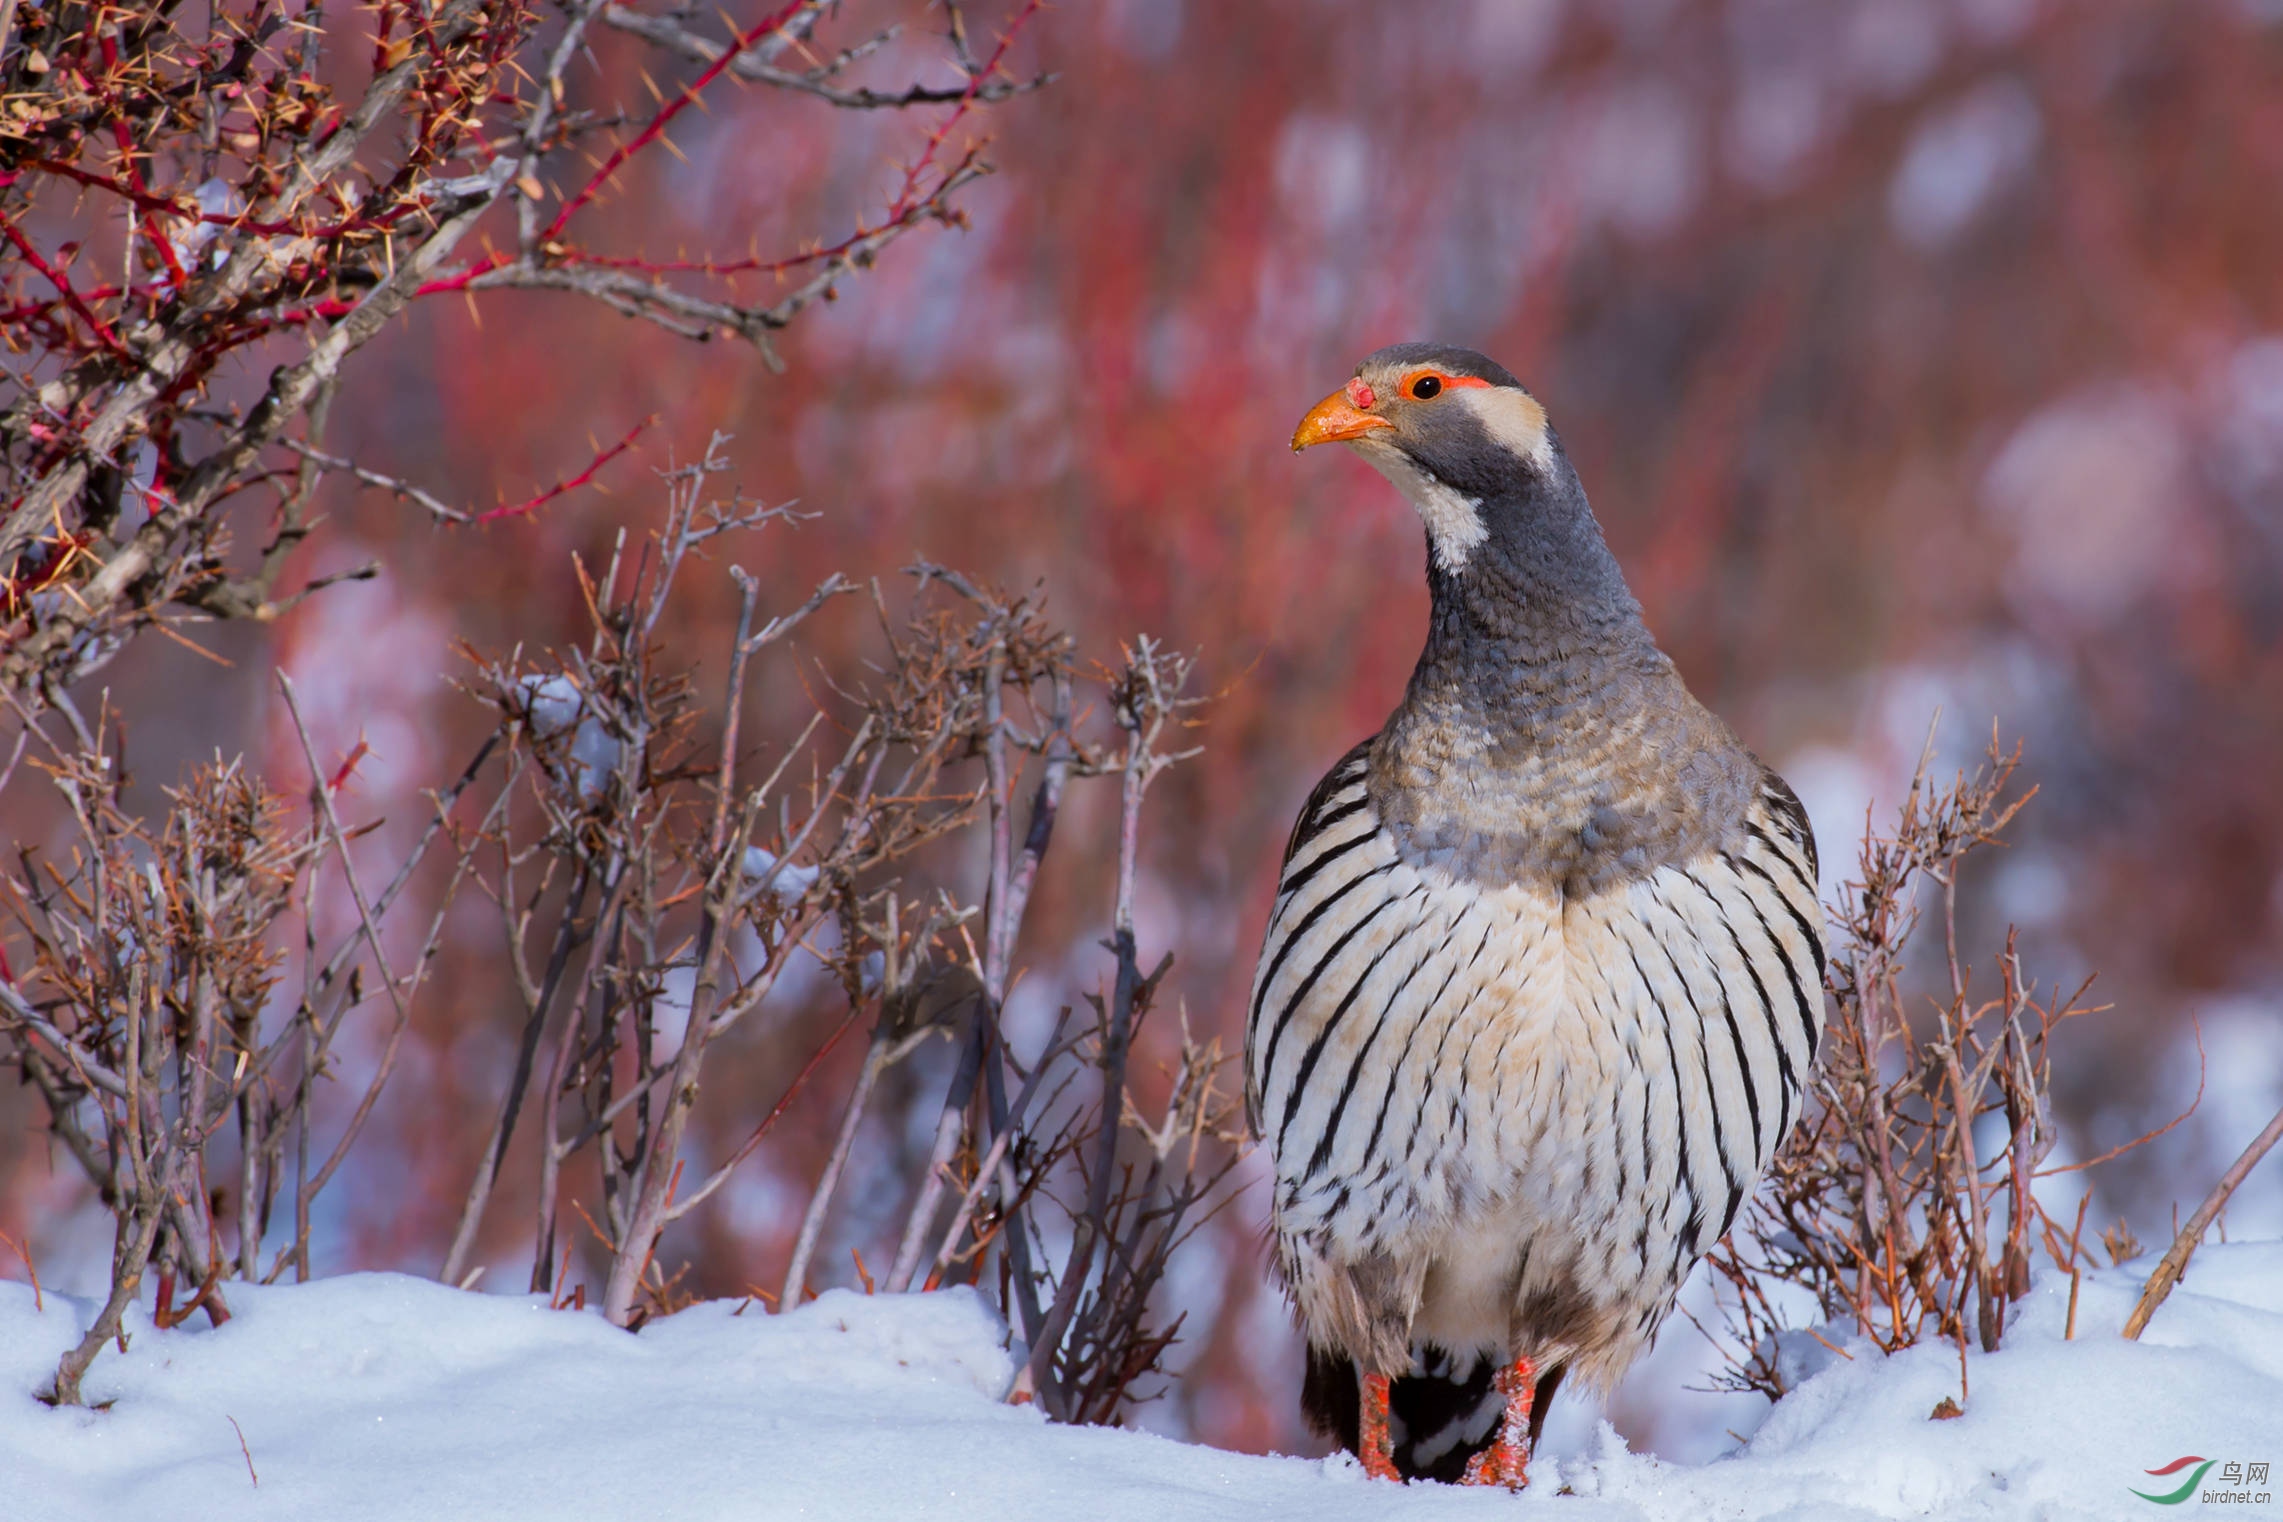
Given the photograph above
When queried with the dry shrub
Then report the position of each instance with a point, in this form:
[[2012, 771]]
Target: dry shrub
[[154, 1011], [654, 888], [655, 872], [1888, 1204]]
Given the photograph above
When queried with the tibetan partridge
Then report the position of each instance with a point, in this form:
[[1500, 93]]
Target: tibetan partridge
[[1543, 980]]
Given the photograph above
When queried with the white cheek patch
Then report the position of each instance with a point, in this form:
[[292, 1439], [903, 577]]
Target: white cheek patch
[[1512, 418], [1454, 522]]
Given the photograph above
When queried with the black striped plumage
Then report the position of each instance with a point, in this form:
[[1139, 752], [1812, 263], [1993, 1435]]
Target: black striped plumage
[[1543, 980]]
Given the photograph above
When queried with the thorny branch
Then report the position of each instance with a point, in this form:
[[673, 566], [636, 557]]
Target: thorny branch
[[283, 202]]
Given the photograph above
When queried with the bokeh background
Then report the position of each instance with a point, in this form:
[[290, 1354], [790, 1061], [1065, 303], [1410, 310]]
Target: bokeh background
[[1917, 356]]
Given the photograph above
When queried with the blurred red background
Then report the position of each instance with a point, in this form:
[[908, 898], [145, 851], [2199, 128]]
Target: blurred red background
[[1915, 355]]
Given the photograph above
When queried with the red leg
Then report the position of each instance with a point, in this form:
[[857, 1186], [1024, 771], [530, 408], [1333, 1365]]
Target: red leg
[[1508, 1456], [1377, 1452]]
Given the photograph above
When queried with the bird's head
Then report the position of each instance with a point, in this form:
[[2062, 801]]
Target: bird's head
[[1454, 431]]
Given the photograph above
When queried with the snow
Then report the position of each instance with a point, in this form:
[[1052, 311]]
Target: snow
[[378, 1396], [781, 880], [553, 703]]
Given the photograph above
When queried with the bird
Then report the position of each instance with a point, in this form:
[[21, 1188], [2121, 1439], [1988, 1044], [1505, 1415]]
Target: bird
[[1543, 980]]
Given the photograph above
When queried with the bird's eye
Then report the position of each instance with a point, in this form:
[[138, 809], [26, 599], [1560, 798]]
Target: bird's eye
[[1426, 386]]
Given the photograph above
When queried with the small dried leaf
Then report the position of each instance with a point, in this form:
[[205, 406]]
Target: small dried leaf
[[1948, 1410]]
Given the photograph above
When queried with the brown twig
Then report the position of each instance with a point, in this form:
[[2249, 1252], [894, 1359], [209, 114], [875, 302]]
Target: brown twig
[[244, 1450], [2175, 1260]]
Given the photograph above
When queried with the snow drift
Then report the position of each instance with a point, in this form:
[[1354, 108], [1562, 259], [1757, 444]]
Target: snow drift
[[376, 1396]]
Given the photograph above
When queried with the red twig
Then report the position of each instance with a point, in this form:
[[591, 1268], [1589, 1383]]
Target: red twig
[[143, 199], [56, 278], [124, 141], [574, 483], [792, 1090], [348, 766], [908, 196], [656, 127]]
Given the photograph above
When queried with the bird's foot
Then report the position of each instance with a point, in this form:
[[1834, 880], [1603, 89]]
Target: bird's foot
[[1375, 1447], [1507, 1458]]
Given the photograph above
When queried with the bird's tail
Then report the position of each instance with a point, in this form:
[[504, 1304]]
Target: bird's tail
[[1441, 1414]]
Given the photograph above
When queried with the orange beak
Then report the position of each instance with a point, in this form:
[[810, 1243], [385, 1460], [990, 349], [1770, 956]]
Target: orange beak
[[1334, 420]]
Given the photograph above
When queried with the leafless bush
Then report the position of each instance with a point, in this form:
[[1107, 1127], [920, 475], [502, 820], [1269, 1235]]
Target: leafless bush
[[649, 861], [151, 1015], [194, 193], [1146, 1186], [1166, 1183], [655, 874], [1887, 1205], [652, 897]]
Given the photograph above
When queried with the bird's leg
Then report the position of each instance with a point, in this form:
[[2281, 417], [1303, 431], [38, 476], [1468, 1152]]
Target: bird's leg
[[1508, 1456], [1374, 1446]]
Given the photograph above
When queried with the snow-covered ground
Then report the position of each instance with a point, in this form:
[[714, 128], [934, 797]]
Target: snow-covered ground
[[378, 1396]]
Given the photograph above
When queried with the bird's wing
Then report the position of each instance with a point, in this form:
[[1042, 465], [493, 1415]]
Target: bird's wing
[[1786, 816], [1336, 799]]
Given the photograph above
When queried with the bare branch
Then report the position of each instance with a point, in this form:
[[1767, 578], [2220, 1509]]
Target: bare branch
[[2175, 1260]]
